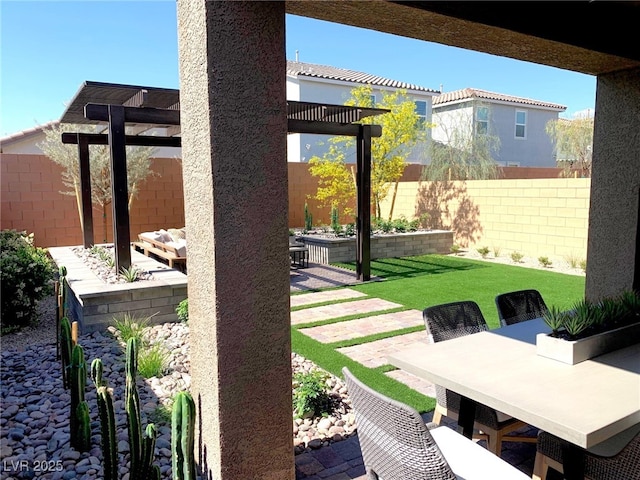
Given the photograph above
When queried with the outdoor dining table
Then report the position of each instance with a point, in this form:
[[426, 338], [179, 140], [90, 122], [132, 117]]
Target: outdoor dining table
[[583, 404]]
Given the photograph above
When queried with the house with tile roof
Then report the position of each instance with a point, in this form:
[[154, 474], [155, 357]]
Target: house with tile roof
[[332, 85], [519, 123]]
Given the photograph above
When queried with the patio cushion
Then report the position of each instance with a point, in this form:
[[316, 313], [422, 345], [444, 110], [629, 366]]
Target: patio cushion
[[180, 246]]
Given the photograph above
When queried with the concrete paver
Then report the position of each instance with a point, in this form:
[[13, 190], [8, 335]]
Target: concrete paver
[[327, 312], [324, 296], [361, 327], [374, 354]]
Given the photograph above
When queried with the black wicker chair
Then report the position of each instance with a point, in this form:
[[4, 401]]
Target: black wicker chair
[[397, 445], [519, 306], [452, 320], [621, 463]]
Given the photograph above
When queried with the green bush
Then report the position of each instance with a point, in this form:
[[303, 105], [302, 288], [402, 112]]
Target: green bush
[[26, 276], [182, 310], [484, 251], [310, 396]]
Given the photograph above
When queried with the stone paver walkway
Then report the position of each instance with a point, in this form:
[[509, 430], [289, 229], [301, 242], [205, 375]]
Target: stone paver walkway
[[374, 354], [327, 312], [324, 296], [361, 327]]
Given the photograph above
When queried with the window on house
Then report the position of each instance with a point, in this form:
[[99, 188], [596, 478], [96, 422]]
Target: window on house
[[482, 120], [421, 110], [521, 124], [373, 100]]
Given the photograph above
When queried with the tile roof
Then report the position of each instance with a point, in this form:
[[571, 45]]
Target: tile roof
[[474, 93], [334, 73], [14, 137]]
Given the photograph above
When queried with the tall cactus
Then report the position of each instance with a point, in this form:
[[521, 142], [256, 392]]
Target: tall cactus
[[77, 384], [141, 448], [66, 346], [96, 372], [183, 420], [132, 406], [109, 440], [84, 427]]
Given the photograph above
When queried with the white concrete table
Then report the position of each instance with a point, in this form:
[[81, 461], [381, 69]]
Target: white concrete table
[[583, 404]]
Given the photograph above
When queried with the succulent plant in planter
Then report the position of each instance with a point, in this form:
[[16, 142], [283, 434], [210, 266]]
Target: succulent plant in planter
[[586, 318]]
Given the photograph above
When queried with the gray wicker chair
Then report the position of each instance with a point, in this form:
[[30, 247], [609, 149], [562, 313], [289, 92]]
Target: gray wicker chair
[[624, 464], [397, 445], [519, 306], [452, 320]]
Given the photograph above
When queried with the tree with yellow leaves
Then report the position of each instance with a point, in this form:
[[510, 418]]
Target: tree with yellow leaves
[[402, 129]]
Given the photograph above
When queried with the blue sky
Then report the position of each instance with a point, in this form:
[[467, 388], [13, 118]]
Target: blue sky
[[48, 48]]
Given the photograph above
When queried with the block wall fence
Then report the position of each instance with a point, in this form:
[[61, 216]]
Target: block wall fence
[[536, 217], [542, 216]]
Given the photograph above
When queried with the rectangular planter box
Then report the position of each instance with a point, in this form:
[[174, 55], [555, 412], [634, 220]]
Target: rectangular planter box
[[330, 250], [93, 303], [576, 351]]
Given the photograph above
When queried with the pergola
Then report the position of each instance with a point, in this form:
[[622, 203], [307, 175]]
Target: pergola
[[144, 109]]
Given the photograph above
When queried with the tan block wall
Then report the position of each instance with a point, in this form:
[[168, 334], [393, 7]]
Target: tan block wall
[[30, 200], [536, 217]]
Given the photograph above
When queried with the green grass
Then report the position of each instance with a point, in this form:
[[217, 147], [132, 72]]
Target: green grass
[[152, 360], [422, 281], [446, 279]]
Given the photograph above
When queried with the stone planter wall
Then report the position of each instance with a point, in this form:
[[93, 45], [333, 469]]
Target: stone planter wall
[[93, 303], [330, 250]]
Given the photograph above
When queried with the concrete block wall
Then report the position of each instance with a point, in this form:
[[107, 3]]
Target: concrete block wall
[[330, 250], [536, 217]]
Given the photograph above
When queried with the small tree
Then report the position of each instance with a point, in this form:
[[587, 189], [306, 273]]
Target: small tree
[[464, 150], [402, 129], [573, 141], [138, 168]]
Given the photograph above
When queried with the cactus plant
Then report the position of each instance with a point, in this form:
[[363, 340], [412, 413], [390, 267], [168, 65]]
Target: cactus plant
[[142, 449], [132, 406], [83, 433], [66, 346], [183, 418], [77, 384], [96, 372], [108, 433], [308, 219]]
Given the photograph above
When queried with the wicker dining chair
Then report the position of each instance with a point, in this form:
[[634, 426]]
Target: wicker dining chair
[[396, 444], [622, 462], [452, 320], [519, 306]]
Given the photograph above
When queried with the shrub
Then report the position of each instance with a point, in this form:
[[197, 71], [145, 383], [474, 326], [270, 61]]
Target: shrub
[[401, 225], [350, 229], [310, 397], [544, 262], [26, 276], [484, 251], [516, 257], [129, 274], [182, 310], [496, 251], [455, 249], [583, 265]]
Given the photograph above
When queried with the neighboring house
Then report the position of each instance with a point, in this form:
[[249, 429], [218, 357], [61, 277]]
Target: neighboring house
[[519, 124], [331, 85]]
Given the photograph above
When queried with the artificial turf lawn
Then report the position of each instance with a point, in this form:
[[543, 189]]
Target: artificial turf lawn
[[426, 280]]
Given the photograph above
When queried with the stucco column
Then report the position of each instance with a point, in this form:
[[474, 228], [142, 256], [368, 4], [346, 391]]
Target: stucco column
[[233, 115], [612, 252]]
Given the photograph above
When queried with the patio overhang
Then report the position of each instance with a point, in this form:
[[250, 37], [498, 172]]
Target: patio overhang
[[144, 110]]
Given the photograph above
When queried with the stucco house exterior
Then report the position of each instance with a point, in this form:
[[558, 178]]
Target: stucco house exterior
[[519, 123], [332, 85]]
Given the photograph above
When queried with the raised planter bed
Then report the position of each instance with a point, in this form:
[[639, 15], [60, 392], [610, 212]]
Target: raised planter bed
[[576, 351], [93, 303], [327, 250]]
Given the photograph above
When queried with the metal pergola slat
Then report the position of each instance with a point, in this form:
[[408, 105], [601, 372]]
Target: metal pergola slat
[[146, 108]]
